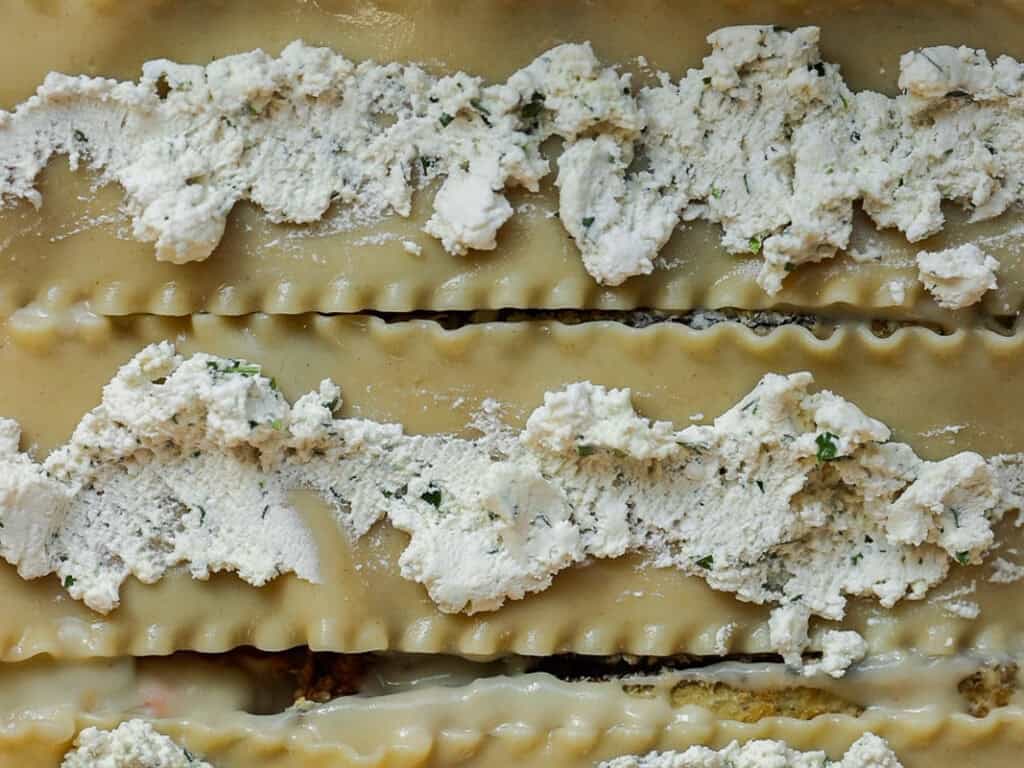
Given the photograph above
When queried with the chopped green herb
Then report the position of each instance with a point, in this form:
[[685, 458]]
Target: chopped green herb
[[69, 581], [963, 558], [202, 516], [445, 119], [857, 558], [760, 484], [587, 221], [843, 99], [755, 243], [234, 366], [80, 137], [475, 103], [956, 516], [827, 449], [706, 562], [585, 450], [534, 107], [432, 496], [716, 192], [277, 424]]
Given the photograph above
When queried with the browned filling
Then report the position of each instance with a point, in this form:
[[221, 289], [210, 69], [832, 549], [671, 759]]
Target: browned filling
[[299, 675], [989, 688], [749, 706]]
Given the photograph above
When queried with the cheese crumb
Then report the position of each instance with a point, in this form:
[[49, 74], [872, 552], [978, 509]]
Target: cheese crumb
[[839, 651], [133, 744], [957, 277], [869, 751]]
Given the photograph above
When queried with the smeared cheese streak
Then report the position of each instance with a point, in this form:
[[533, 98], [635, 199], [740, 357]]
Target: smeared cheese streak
[[791, 497], [765, 139]]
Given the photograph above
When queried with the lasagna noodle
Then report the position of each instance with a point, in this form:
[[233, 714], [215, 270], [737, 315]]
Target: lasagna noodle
[[431, 381], [71, 250], [531, 720]]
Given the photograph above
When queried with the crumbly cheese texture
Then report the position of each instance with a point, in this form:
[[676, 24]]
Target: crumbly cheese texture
[[298, 133], [869, 751], [957, 277], [157, 475], [133, 744], [792, 497], [765, 139]]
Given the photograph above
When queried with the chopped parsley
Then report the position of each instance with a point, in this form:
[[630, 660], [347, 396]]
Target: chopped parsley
[[827, 449], [963, 558], [277, 424], [716, 192], [956, 516], [240, 367], [432, 496], [587, 221], [755, 243], [445, 119], [80, 137], [760, 484], [706, 562], [585, 450], [69, 581], [857, 558], [475, 103], [533, 108]]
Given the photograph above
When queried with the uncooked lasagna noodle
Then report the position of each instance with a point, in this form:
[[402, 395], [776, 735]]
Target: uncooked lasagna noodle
[[77, 246], [216, 713], [432, 381]]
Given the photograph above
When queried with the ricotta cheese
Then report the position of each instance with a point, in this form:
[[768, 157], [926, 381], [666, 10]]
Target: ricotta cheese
[[869, 751], [791, 498], [765, 139], [957, 277], [133, 744], [296, 133]]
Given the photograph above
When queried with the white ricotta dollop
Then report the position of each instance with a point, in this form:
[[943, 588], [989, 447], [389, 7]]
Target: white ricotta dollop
[[957, 277], [791, 497], [765, 139], [133, 744], [172, 467], [869, 751]]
